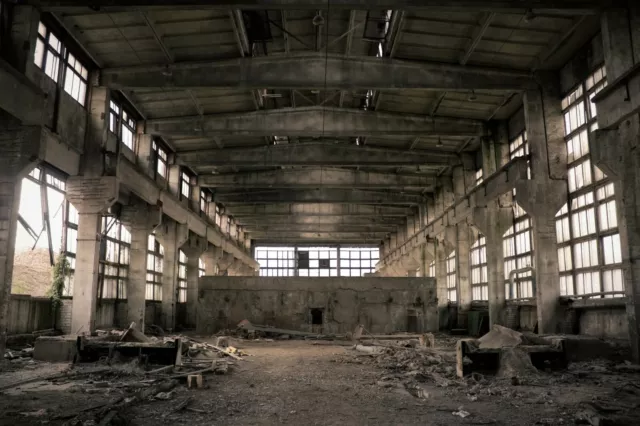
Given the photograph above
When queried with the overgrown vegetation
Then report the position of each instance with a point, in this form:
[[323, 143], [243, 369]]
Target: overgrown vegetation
[[60, 272]]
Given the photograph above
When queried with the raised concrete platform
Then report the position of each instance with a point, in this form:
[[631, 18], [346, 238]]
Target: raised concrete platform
[[55, 349]]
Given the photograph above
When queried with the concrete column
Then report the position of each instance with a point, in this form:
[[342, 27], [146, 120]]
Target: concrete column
[[493, 221], [140, 219], [441, 282], [173, 177], [614, 147], [172, 236], [211, 258], [195, 197], [91, 197], [224, 263], [545, 193], [193, 249], [463, 179], [19, 144], [144, 154]]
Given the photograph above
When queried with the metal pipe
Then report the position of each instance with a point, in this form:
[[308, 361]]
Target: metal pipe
[[512, 276]]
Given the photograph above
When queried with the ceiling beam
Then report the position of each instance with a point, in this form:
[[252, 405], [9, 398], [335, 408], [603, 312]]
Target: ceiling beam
[[316, 177], [310, 154], [579, 7], [315, 122], [325, 236], [318, 210], [336, 196], [271, 228], [252, 221], [316, 72]]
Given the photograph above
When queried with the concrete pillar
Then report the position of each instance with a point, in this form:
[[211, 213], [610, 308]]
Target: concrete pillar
[[193, 249], [545, 193], [463, 179], [493, 220], [91, 196], [172, 236], [614, 147], [225, 262], [17, 158], [441, 281], [140, 219], [211, 258]]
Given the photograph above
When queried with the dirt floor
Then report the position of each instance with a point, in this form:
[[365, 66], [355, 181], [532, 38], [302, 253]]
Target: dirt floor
[[301, 383]]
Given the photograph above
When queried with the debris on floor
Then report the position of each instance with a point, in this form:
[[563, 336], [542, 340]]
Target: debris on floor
[[508, 353]]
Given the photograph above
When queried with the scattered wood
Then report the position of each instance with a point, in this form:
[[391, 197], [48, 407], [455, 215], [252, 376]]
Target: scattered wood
[[160, 370], [373, 350], [107, 419]]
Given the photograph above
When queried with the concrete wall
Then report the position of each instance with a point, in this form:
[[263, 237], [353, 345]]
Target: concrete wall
[[610, 322], [382, 305], [27, 314]]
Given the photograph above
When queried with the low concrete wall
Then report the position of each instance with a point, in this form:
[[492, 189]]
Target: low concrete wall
[[28, 314], [610, 322], [382, 305]]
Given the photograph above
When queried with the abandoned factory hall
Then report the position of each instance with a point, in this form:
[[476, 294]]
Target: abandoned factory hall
[[320, 212]]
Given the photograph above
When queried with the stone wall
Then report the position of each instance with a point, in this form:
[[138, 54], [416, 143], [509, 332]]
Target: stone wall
[[382, 305]]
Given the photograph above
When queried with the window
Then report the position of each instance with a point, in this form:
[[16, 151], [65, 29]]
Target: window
[[276, 261], [589, 251], [478, 263], [75, 80], [122, 124], [320, 262], [182, 277], [48, 52], [355, 262], [204, 202], [228, 226], [479, 177], [114, 259], [517, 242], [185, 186], [201, 268], [452, 291], [155, 258], [114, 117], [432, 269], [160, 159], [128, 130], [218, 216]]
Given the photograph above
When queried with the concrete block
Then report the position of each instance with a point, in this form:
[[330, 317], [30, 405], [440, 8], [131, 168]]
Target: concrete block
[[55, 349]]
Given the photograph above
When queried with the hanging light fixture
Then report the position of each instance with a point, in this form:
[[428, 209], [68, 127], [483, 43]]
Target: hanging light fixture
[[439, 144]]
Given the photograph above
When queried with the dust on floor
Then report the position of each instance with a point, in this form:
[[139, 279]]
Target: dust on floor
[[297, 382]]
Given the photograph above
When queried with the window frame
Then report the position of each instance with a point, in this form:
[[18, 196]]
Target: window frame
[[160, 159]]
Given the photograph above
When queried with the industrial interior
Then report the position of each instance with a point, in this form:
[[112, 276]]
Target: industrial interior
[[319, 212]]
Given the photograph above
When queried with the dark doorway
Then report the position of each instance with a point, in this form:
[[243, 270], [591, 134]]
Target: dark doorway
[[412, 321], [317, 319]]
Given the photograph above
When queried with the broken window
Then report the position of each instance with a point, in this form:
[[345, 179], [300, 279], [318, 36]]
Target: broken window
[[204, 201], [122, 124], [201, 268], [48, 52], [323, 262], [75, 80], [155, 259], [355, 261], [48, 55], [160, 159], [185, 185], [517, 243], [452, 280], [39, 233], [479, 177], [277, 261], [182, 277], [114, 259], [589, 250], [478, 263]]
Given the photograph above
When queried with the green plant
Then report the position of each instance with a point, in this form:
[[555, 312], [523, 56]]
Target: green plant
[[60, 272]]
